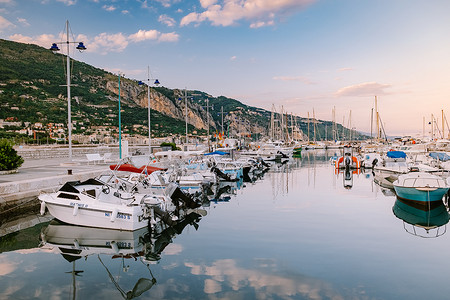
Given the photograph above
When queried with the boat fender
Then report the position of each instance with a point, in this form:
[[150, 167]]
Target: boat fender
[[114, 215], [75, 210], [76, 244], [42, 211]]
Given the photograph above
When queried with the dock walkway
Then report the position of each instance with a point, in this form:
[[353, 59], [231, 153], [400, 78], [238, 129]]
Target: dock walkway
[[37, 175]]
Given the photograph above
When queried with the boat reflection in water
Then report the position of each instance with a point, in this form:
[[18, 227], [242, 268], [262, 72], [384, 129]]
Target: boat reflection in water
[[74, 242], [424, 221], [347, 176]]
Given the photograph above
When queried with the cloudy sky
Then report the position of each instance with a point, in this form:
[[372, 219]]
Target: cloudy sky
[[303, 55]]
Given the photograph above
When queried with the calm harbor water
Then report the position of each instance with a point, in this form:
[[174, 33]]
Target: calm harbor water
[[297, 233]]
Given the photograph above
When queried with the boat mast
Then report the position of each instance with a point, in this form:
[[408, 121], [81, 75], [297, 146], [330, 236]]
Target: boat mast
[[432, 127], [350, 126], [308, 126], [448, 128], [377, 119], [334, 124], [314, 125], [423, 129], [271, 124], [343, 127]]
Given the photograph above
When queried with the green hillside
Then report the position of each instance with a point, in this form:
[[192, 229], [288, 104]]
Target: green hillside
[[32, 89]]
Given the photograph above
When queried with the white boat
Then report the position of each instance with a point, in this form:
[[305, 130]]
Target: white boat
[[421, 187], [393, 162], [370, 160], [96, 204], [347, 160], [84, 241]]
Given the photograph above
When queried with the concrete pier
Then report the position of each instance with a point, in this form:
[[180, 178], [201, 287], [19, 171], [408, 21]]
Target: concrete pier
[[46, 171]]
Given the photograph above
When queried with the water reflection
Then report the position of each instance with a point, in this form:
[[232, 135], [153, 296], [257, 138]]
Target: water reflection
[[76, 242], [260, 281], [245, 249], [422, 221], [347, 176], [129, 247]]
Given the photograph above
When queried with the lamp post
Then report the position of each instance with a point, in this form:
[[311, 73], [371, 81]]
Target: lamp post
[[149, 108], [186, 112], [81, 48], [207, 120], [120, 126]]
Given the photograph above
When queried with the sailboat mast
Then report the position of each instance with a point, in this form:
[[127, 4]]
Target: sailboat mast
[[308, 126], [314, 125], [378, 119], [423, 129], [343, 127], [350, 125], [432, 127], [371, 124], [271, 124]]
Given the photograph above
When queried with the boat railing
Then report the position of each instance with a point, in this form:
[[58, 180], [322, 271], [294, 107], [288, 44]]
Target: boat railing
[[426, 231], [423, 182]]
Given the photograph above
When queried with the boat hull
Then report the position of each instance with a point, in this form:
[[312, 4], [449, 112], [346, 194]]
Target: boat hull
[[416, 215], [110, 216], [420, 194]]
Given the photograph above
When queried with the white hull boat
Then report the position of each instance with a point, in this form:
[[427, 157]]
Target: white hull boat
[[93, 203]]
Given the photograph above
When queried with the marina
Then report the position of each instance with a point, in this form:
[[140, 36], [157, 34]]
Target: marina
[[224, 149], [300, 230]]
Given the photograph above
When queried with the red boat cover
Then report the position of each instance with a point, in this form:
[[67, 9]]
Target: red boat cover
[[131, 168]]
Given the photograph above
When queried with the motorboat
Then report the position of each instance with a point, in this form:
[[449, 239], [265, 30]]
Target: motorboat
[[94, 203], [84, 241], [370, 160], [422, 221], [393, 162], [79, 242], [421, 187], [385, 180], [347, 160]]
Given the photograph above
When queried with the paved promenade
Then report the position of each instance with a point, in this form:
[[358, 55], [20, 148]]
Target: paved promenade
[[38, 175]]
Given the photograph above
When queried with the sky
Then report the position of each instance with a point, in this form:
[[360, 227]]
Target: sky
[[300, 56]]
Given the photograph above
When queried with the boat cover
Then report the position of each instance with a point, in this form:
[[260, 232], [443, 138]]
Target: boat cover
[[440, 156], [131, 168], [396, 154], [217, 153]]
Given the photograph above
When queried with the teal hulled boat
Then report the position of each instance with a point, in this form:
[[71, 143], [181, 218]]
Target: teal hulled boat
[[421, 187]]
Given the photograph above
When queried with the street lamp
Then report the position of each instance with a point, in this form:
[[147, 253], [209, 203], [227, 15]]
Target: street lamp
[[55, 49], [207, 120], [120, 126], [186, 113], [149, 107]]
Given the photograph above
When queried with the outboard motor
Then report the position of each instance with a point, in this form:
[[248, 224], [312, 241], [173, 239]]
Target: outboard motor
[[221, 174], [164, 216], [347, 162], [177, 195], [260, 160], [282, 154], [374, 162]]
